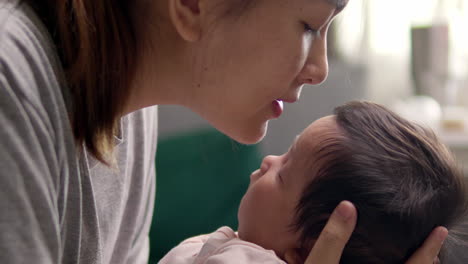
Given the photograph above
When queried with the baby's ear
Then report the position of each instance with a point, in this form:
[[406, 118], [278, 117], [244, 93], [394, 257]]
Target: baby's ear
[[296, 255]]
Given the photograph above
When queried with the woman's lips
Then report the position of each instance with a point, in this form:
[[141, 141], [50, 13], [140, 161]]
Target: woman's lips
[[277, 106]]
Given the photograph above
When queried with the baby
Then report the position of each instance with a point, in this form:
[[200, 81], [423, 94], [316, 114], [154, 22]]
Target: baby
[[401, 179]]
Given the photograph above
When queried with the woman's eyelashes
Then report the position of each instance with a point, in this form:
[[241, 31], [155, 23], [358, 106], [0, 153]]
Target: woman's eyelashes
[[309, 29]]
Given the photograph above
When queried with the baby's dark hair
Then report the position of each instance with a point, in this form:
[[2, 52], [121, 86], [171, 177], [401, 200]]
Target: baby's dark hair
[[401, 179]]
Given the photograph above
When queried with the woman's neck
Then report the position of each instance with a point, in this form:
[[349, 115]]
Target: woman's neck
[[163, 67]]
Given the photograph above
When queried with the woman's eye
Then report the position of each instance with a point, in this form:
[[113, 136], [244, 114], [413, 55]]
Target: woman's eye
[[309, 29]]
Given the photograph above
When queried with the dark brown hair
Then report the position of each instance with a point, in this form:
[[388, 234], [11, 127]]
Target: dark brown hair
[[97, 46], [401, 179]]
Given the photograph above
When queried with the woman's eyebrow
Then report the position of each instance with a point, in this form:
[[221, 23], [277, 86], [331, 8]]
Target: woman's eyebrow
[[340, 4]]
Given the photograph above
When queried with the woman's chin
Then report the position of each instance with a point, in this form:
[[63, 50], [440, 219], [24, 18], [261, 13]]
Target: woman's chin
[[249, 135]]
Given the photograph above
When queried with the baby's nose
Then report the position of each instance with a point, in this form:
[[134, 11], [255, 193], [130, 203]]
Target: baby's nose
[[266, 163], [255, 175]]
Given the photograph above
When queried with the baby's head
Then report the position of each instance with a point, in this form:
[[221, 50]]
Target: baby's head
[[401, 179]]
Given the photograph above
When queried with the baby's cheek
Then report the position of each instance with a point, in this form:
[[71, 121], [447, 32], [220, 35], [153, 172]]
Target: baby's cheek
[[264, 189]]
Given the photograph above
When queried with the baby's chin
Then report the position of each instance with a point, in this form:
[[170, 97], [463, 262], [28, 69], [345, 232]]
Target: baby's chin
[[243, 234], [240, 231]]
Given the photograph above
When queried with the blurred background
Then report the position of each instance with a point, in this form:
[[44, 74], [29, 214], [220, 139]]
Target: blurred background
[[410, 55]]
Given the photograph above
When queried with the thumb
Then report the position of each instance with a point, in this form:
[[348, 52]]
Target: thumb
[[336, 233]]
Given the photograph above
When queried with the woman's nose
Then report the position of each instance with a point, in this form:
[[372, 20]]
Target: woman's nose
[[315, 69]]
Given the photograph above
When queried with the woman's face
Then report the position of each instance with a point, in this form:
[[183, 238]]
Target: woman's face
[[247, 65]]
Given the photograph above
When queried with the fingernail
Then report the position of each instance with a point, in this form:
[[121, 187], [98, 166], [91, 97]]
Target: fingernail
[[443, 234], [345, 210]]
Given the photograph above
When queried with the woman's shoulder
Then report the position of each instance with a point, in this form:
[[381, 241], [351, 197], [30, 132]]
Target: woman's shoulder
[[28, 58], [21, 27], [30, 73], [32, 104]]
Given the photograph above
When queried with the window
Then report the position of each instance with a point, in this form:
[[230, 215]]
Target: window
[[376, 33]]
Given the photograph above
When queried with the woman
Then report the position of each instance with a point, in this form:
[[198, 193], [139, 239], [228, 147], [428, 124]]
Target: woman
[[77, 170]]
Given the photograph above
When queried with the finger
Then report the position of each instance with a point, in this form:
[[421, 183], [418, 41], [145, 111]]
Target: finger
[[428, 252], [335, 235]]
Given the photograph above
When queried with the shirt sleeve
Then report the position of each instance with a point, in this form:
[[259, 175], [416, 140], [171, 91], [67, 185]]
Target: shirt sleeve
[[243, 254], [220, 247], [186, 251], [32, 157], [29, 221]]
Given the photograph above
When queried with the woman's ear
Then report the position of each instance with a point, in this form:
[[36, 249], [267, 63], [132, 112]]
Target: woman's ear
[[186, 17]]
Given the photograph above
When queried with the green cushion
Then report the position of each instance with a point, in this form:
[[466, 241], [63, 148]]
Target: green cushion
[[201, 178]]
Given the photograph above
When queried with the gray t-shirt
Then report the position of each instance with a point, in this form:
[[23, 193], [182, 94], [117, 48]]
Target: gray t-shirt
[[57, 203]]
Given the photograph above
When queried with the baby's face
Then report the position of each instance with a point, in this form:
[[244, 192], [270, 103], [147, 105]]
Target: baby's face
[[267, 210]]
